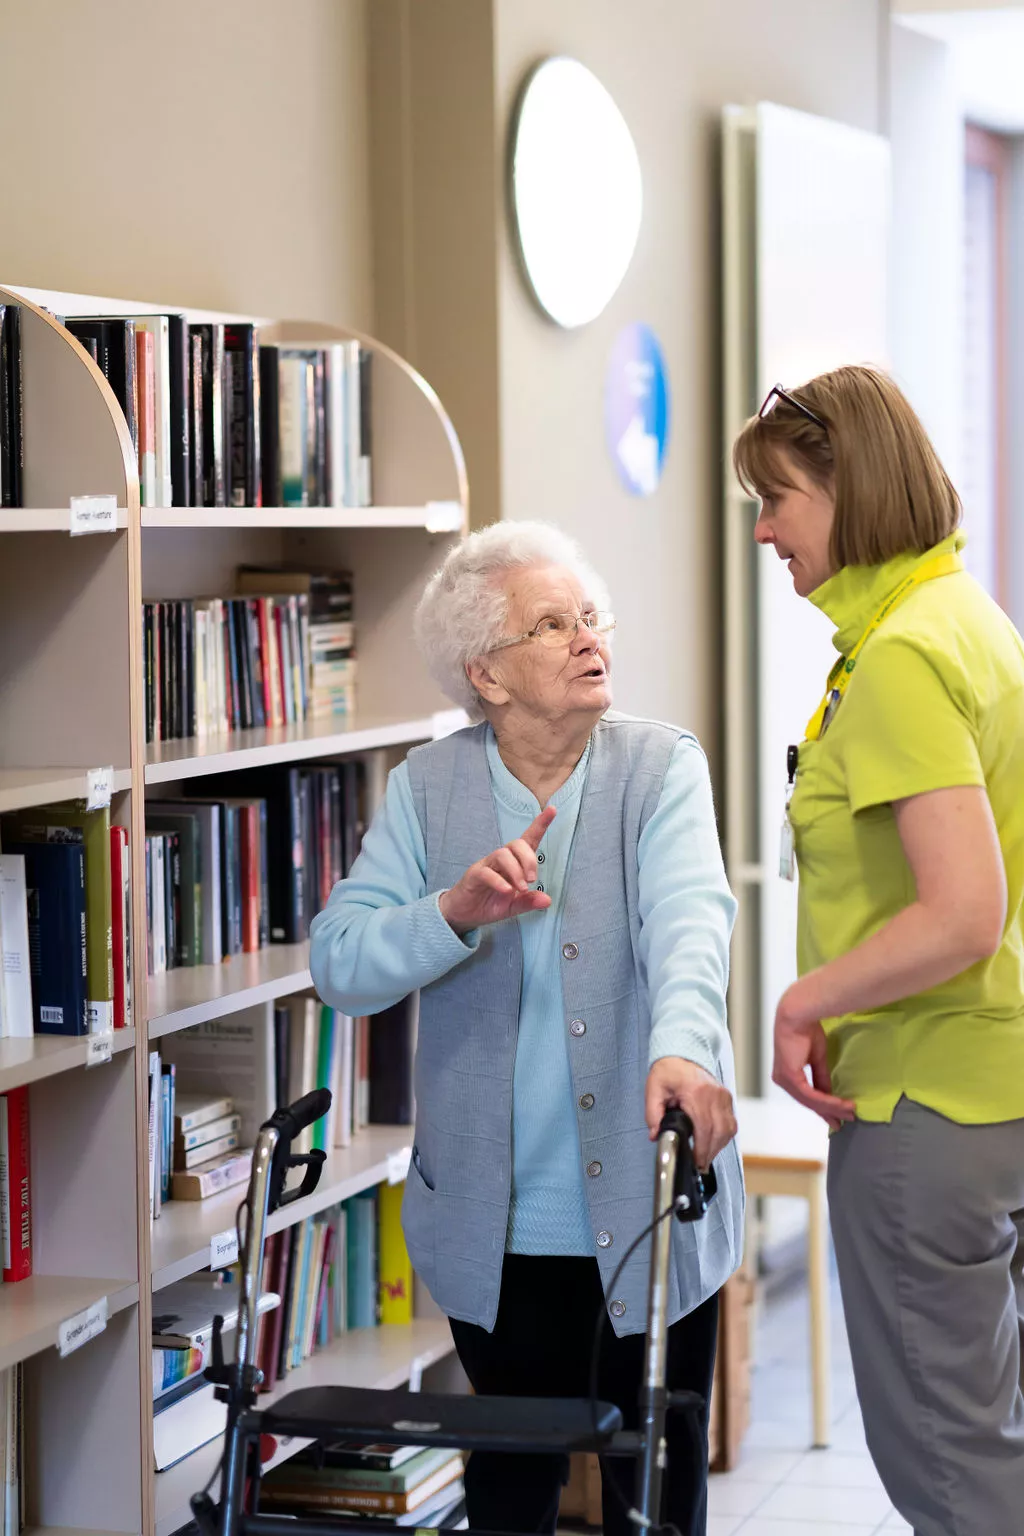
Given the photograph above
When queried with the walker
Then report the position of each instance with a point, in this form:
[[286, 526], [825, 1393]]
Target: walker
[[463, 1422]]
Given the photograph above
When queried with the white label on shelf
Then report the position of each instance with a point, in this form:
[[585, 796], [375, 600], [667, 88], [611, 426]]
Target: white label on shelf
[[99, 788], [100, 1016], [224, 1249], [416, 1369], [93, 514], [398, 1165], [443, 517], [78, 1330], [98, 1049], [448, 720]]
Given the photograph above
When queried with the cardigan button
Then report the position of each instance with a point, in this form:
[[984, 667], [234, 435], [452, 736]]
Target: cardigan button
[[570, 951], [577, 1027], [540, 857], [617, 1309], [586, 1101], [604, 1239], [539, 886], [594, 1170]]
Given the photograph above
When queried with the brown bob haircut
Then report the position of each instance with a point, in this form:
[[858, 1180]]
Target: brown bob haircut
[[875, 459]]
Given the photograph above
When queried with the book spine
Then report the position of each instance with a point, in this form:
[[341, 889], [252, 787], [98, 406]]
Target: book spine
[[179, 413], [165, 1136], [15, 1187], [270, 428], [293, 432], [197, 1156], [145, 373], [121, 921], [320, 431], [365, 485], [5, 427], [258, 686], [201, 1183], [197, 420]]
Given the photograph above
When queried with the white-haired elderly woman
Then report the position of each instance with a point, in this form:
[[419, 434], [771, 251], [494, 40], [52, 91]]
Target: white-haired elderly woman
[[550, 879]]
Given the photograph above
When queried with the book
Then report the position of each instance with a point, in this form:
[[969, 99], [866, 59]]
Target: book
[[211, 339], [225, 1172], [182, 1427], [167, 1084], [16, 1010], [362, 1260], [182, 820], [198, 1157], [179, 414], [199, 429], [230, 1058], [209, 1131], [11, 407], [242, 393], [121, 933], [306, 1486], [15, 1185], [404, 1476], [183, 1313], [270, 440], [70, 821], [392, 1049], [173, 1366], [379, 1457], [155, 1131], [145, 373], [195, 1112], [55, 891], [395, 1266], [156, 905]]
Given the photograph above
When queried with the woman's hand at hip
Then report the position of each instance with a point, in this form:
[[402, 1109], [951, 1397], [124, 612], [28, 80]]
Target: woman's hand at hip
[[673, 1083], [799, 1045], [498, 887]]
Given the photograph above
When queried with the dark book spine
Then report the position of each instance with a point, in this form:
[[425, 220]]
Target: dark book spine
[[319, 486], [243, 444], [166, 712], [179, 406], [391, 1063], [240, 629], [220, 419], [252, 627], [170, 928], [147, 650], [214, 485], [5, 425], [264, 876], [270, 428], [173, 669], [337, 829], [307, 792], [297, 924], [365, 432], [12, 429], [172, 860], [197, 420], [181, 644], [55, 887], [126, 339], [238, 718], [310, 455], [191, 696]]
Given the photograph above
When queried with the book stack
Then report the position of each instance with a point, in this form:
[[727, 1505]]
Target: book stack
[[200, 1143], [402, 1484], [65, 922], [219, 421], [12, 1450], [280, 652], [11, 440]]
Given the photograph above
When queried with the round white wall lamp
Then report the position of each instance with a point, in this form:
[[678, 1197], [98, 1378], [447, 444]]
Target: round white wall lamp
[[576, 190]]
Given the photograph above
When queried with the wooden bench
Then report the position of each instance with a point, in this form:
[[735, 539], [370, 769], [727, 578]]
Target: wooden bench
[[785, 1152]]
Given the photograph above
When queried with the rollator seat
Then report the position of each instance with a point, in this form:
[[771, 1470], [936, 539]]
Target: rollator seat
[[443, 1419]]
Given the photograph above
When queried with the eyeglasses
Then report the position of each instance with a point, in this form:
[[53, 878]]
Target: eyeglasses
[[777, 393], [560, 629]]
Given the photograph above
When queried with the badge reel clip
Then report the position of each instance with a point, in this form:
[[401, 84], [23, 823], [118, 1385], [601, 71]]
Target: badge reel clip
[[787, 852]]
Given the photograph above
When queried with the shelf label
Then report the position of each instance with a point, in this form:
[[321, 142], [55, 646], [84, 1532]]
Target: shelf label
[[78, 1330], [99, 788], [93, 514], [398, 1165], [98, 1049], [416, 1369], [443, 517], [445, 721], [224, 1249]]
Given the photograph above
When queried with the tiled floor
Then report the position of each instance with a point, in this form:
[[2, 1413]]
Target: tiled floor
[[780, 1488]]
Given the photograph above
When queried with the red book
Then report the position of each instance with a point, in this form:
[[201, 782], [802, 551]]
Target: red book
[[120, 890], [15, 1193], [250, 820], [261, 616]]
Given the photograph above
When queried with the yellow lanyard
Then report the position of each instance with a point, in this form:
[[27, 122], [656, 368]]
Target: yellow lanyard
[[839, 677]]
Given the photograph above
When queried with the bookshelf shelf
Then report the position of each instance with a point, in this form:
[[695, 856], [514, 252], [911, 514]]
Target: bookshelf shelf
[[440, 517], [167, 761], [32, 1310], [48, 520], [29, 1060], [192, 994], [181, 1236], [379, 1358], [24, 787]]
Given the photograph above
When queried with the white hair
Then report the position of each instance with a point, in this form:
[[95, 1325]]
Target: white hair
[[462, 612]]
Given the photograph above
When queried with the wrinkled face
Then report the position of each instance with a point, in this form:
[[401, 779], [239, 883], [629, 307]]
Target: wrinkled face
[[797, 520], [549, 680]]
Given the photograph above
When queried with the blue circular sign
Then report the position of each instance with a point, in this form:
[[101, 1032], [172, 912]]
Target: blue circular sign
[[636, 409]]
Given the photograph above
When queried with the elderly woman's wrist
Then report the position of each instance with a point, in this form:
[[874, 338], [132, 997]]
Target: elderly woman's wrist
[[445, 907]]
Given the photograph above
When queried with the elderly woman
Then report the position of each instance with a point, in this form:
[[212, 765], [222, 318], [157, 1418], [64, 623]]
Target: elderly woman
[[550, 879], [908, 820]]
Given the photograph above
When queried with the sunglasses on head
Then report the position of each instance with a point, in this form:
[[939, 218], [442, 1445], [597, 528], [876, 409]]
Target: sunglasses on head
[[777, 393]]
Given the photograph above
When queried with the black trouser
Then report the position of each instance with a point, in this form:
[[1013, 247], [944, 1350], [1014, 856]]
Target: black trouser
[[541, 1347]]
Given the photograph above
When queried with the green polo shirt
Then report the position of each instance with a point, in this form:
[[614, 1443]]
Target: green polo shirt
[[936, 701]]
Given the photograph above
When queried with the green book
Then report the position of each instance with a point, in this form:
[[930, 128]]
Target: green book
[[324, 1057], [160, 817], [70, 822]]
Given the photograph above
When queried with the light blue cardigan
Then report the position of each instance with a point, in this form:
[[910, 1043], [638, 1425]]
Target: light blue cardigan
[[381, 937]]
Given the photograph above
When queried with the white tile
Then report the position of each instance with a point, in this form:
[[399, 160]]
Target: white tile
[[834, 1469], [755, 1466], [733, 1496], [838, 1506], [759, 1526], [724, 1525], [767, 1434]]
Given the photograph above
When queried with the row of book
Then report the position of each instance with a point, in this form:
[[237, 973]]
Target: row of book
[[219, 419], [226, 876], [65, 922], [280, 652], [397, 1484], [12, 1450], [11, 438], [212, 1086]]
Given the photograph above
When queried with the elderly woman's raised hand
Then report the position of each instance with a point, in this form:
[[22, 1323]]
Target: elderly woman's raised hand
[[498, 887]]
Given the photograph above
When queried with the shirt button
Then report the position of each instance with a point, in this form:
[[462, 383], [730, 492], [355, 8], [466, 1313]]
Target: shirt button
[[604, 1239], [617, 1309], [570, 951], [594, 1170], [586, 1101], [577, 1027], [540, 858]]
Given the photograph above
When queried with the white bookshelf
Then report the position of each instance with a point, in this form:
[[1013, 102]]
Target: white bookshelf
[[71, 701]]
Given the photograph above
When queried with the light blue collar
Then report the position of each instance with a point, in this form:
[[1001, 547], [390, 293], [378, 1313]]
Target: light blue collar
[[515, 795]]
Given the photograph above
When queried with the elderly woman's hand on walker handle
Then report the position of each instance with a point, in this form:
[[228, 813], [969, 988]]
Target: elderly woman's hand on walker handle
[[673, 1083], [498, 887], [799, 1044]]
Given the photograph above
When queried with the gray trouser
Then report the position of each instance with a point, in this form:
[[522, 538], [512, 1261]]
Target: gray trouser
[[928, 1223]]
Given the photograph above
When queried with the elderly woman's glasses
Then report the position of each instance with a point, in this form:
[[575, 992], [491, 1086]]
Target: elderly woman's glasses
[[777, 393], [560, 629]]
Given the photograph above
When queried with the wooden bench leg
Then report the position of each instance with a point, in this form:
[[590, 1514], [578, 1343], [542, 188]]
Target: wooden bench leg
[[817, 1268]]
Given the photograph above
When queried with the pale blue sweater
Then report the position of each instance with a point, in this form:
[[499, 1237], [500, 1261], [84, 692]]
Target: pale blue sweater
[[381, 936]]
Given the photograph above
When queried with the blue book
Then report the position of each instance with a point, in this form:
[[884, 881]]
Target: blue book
[[167, 1130], [362, 1260], [55, 885]]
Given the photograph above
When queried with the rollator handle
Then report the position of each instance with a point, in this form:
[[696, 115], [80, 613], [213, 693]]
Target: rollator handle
[[693, 1191], [292, 1120], [282, 1127]]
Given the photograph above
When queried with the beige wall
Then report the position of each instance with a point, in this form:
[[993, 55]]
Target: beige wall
[[207, 152]]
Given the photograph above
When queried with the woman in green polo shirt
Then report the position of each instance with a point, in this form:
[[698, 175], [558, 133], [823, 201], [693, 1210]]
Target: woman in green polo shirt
[[906, 1027]]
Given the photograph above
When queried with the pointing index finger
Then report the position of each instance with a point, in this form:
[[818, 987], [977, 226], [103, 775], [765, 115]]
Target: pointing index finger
[[535, 831]]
